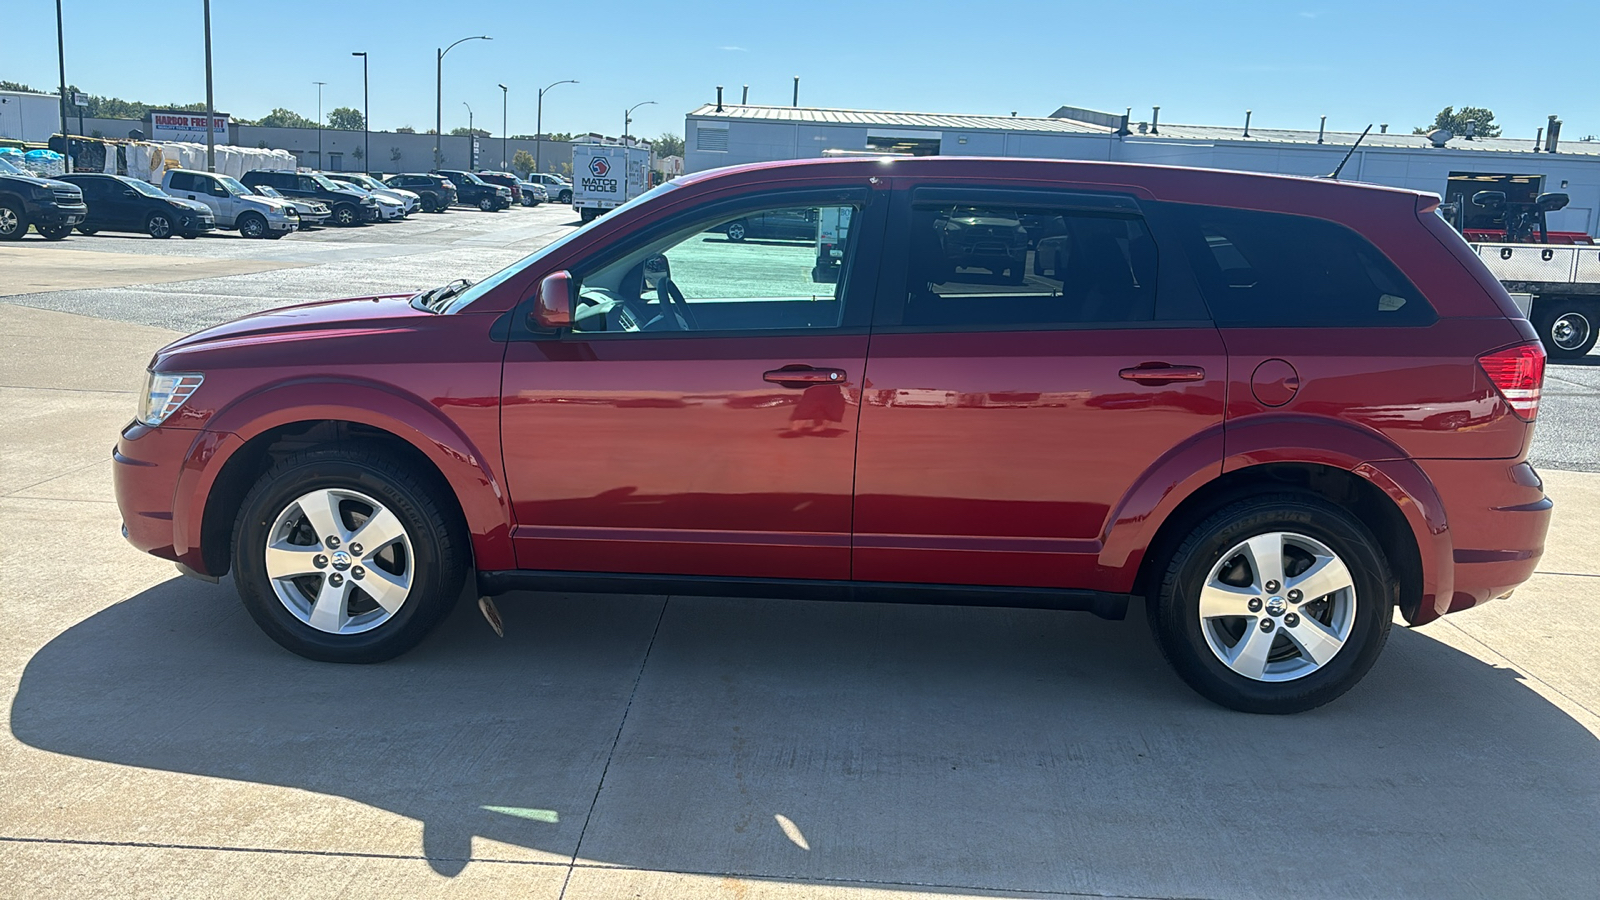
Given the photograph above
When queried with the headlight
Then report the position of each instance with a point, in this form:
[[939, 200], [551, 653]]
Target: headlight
[[43, 192], [164, 393]]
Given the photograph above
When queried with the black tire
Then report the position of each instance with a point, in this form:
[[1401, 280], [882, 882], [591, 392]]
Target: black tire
[[429, 204], [13, 222], [565, 197], [438, 542], [487, 204], [735, 231], [253, 225], [189, 235], [277, 235], [1567, 327], [158, 225], [88, 232], [1174, 609], [345, 215], [53, 232]]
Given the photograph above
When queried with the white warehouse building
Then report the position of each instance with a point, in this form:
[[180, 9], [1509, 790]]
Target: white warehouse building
[[727, 134]]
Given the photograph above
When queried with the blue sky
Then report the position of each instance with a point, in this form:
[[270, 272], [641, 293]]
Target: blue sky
[[1202, 62]]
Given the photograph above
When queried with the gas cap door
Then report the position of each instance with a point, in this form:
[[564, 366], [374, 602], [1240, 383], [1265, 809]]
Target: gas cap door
[[1274, 382]]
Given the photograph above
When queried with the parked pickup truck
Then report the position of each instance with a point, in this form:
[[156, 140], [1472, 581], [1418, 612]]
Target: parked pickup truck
[[233, 204], [350, 207], [52, 207]]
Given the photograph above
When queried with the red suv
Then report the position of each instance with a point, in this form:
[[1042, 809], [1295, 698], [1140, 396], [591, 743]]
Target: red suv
[[1274, 409]]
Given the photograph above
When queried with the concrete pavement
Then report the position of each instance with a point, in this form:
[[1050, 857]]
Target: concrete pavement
[[157, 744]]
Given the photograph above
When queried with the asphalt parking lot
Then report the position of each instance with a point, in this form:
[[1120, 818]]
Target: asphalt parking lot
[[157, 744]]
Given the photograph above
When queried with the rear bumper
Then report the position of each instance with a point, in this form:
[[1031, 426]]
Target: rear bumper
[[1498, 516]]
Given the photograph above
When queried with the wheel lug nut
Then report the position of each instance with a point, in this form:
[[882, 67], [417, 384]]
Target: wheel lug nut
[[357, 572], [1291, 620], [1272, 587], [332, 543], [1255, 604], [1295, 596], [356, 549], [1266, 624], [336, 579], [320, 561]]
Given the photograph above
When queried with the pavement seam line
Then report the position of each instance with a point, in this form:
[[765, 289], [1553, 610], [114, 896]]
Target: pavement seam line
[[577, 848], [1568, 574], [32, 387], [72, 471], [286, 851], [1521, 668]]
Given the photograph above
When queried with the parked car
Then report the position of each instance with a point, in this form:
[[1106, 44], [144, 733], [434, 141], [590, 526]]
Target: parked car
[[559, 189], [50, 206], [119, 203], [474, 191], [782, 224], [1274, 410], [533, 194], [408, 201], [436, 193], [349, 206], [312, 213], [389, 209], [233, 205], [505, 180]]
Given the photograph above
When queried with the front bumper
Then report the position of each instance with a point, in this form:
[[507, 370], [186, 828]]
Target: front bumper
[[284, 225], [54, 214]]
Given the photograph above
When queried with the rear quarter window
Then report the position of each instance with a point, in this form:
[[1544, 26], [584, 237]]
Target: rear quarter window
[[1266, 270]]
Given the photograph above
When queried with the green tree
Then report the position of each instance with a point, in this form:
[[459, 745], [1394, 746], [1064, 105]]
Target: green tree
[[558, 136], [462, 132], [669, 144], [286, 118], [1455, 121], [346, 118], [405, 129], [19, 88], [522, 163]]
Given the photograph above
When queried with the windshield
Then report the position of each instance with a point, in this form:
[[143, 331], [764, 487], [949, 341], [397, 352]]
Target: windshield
[[327, 183], [367, 181], [8, 169], [461, 300], [145, 188], [233, 186], [266, 191], [473, 178]]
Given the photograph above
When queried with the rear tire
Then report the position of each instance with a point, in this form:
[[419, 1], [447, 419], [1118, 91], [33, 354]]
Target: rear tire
[[1567, 327], [1289, 652], [429, 204], [309, 593], [88, 232]]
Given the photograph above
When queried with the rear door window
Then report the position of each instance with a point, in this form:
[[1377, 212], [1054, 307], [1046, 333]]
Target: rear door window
[[181, 181], [1261, 269]]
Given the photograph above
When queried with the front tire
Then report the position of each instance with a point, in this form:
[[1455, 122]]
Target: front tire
[[487, 204], [564, 197], [53, 232], [1567, 328], [736, 231], [13, 222], [253, 225], [88, 232], [1275, 604], [158, 225], [344, 215], [345, 555]]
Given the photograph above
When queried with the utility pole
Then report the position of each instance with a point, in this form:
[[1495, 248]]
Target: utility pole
[[438, 97], [366, 115], [472, 140], [61, 53], [627, 157], [538, 127], [504, 94], [211, 111], [319, 85]]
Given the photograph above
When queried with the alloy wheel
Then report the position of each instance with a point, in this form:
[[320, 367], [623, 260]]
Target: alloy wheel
[[339, 561], [9, 223], [159, 226], [1277, 606]]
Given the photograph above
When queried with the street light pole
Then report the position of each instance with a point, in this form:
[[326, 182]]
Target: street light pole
[[627, 158], [319, 85], [438, 97], [366, 115], [61, 53], [538, 127], [504, 95], [211, 112], [472, 139]]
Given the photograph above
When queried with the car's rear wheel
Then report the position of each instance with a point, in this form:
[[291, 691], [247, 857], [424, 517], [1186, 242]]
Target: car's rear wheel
[[253, 225], [159, 225], [429, 204], [1275, 604], [1568, 328], [88, 232], [345, 555], [736, 231]]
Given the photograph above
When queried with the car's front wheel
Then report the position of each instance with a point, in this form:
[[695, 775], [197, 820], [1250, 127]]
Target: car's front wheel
[[486, 204], [345, 215], [159, 225], [253, 225], [1275, 604], [345, 555]]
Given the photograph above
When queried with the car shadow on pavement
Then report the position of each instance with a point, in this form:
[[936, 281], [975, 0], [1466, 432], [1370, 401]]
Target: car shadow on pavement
[[1016, 750]]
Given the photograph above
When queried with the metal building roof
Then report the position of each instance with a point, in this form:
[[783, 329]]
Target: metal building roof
[[1346, 138], [895, 119]]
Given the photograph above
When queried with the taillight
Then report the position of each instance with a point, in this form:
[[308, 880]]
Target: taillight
[[1518, 373]]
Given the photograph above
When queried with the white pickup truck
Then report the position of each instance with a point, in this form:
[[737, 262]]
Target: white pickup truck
[[1556, 286], [605, 176], [233, 204]]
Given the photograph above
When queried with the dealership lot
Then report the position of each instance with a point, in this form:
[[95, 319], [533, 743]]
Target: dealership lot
[[159, 745]]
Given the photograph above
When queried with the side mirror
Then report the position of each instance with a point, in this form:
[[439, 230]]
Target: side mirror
[[553, 307], [1551, 202], [1489, 199]]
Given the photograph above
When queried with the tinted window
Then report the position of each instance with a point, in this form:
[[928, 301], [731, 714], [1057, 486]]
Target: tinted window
[[1271, 269], [181, 181], [1003, 266], [728, 276]]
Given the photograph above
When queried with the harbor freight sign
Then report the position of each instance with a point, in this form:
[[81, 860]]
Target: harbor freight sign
[[175, 125]]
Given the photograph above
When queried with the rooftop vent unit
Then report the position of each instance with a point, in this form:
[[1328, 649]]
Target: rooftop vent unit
[[1440, 136]]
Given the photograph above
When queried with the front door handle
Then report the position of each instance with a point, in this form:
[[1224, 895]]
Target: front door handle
[[1162, 373], [804, 376]]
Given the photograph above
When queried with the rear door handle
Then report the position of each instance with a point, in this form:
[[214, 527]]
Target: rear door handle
[[804, 376], [1162, 373]]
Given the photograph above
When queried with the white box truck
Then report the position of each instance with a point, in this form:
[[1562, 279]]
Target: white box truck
[[605, 176]]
